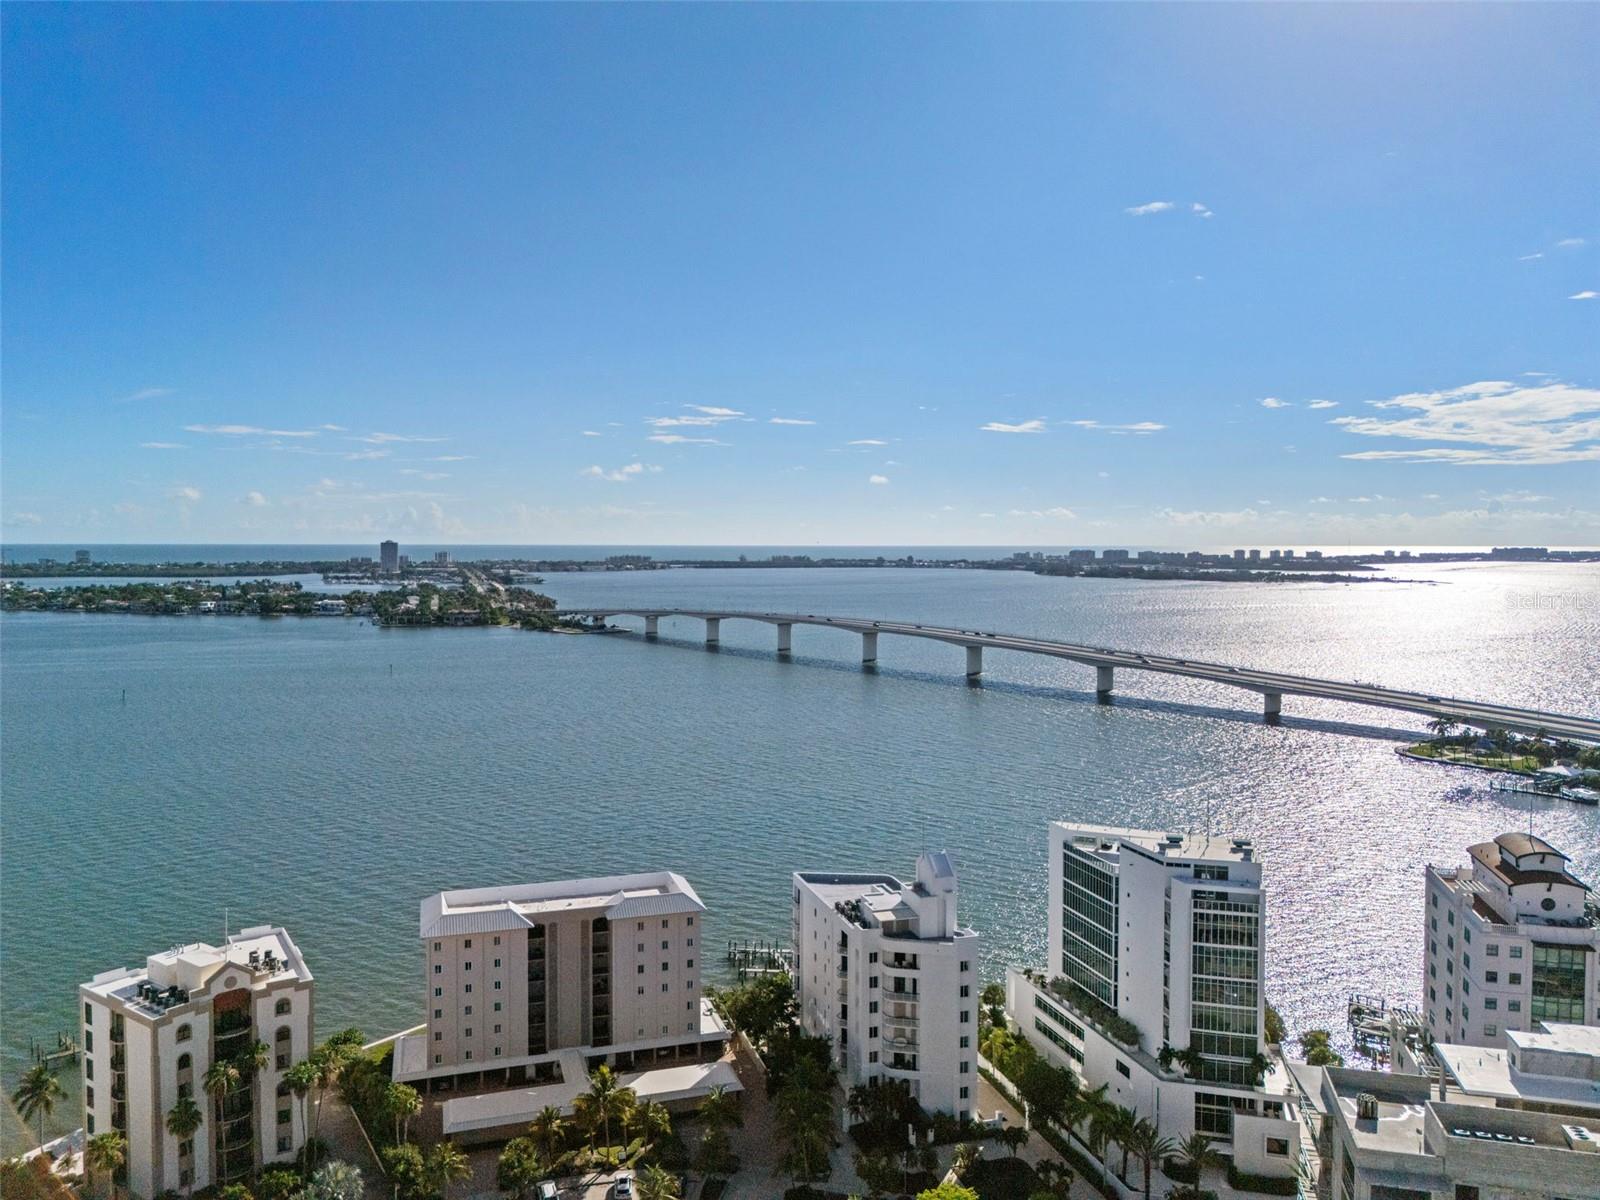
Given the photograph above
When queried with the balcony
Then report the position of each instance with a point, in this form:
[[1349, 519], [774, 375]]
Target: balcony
[[909, 1020], [119, 1033], [899, 1043], [901, 1063], [903, 962], [119, 1061]]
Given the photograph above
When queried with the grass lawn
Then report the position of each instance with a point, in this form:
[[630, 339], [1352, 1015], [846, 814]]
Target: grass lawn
[[1001, 1179]]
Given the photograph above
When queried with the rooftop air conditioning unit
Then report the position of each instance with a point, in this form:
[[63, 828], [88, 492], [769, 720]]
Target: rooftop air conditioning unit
[[1580, 1137], [1366, 1107]]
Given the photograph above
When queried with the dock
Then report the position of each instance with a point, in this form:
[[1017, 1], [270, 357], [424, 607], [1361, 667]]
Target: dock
[[761, 957]]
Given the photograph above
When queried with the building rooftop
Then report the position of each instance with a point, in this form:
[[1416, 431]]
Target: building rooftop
[[264, 953], [487, 910], [1488, 856], [1518, 844], [1487, 1072], [1104, 841]]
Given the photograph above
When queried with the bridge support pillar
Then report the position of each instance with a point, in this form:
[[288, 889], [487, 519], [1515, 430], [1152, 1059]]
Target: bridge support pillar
[[1272, 706], [785, 637], [974, 661], [1102, 682], [652, 627], [713, 630], [869, 649]]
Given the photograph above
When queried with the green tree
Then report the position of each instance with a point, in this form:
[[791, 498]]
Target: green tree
[[402, 1103], [1315, 1045], [36, 1096], [948, 1191], [221, 1080], [444, 1165], [519, 1168], [1196, 1154], [966, 1154], [407, 1171], [805, 1122], [605, 1102], [301, 1079], [1014, 1138], [657, 1183], [336, 1181], [183, 1122], [760, 1007], [549, 1132], [104, 1154], [277, 1184], [234, 1191], [878, 1171], [1275, 1030], [1047, 1089], [1147, 1144]]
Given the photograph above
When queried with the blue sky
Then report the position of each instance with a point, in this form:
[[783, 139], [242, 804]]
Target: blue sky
[[1086, 274]]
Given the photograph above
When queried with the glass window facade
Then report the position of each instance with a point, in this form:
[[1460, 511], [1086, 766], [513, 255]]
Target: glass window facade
[[1558, 982], [1224, 992], [1089, 924]]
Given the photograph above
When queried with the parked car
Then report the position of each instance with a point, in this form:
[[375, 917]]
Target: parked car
[[622, 1186], [547, 1190]]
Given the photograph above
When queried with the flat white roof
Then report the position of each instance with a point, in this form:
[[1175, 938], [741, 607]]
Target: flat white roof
[[518, 1106], [200, 959], [485, 910], [1485, 1071], [1164, 843]]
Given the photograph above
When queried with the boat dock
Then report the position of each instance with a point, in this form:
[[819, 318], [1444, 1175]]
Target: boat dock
[[750, 958]]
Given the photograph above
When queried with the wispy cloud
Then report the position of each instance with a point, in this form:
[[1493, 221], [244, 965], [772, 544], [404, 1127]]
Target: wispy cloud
[[1584, 295], [254, 500], [878, 479], [1200, 210], [366, 455], [162, 446], [451, 458], [424, 474], [592, 433], [622, 474], [184, 494], [1147, 210], [1055, 514], [1572, 243], [698, 415], [24, 518], [1323, 404], [1517, 496], [1274, 402], [1490, 423], [384, 439], [867, 442], [1137, 427], [790, 421], [1035, 426], [143, 394], [1538, 254], [249, 431], [334, 428], [678, 439]]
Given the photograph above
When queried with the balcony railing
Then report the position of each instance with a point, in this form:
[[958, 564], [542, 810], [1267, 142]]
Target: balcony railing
[[900, 963]]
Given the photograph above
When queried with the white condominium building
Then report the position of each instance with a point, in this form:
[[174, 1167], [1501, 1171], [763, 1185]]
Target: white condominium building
[[1512, 941], [1153, 987], [610, 966], [151, 1033], [883, 970]]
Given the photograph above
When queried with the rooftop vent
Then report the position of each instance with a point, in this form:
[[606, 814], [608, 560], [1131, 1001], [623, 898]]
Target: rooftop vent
[[1366, 1107], [1580, 1137], [1174, 839]]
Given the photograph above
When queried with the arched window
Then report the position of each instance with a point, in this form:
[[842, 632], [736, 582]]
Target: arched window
[[184, 1061], [284, 1033], [284, 1006], [184, 1033]]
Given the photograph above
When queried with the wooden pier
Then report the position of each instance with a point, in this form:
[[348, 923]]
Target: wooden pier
[[66, 1050], [748, 958]]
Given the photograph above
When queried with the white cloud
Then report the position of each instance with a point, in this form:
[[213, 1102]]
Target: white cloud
[[880, 479], [704, 414], [1323, 404], [1274, 402], [334, 428], [592, 433], [383, 439], [1571, 243], [249, 431], [144, 394], [790, 421], [450, 458], [1145, 210], [1530, 257], [712, 410], [1490, 423], [24, 518], [867, 442], [623, 474], [163, 446], [366, 455], [1058, 514], [1139, 427], [1034, 426], [1584, 295], [424, 474], [1200, 210], [185, 494], [1519, 496], [255, 500], [677, 439]]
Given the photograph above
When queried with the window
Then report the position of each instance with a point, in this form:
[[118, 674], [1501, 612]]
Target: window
[[437, 1059], [1514, 1005], [437, 992], [963, 1093], [466, 966], [1490, 1004], [467, 1032], [664, 987], [1514, 979], [497, 942], [497, 985], [872, 981], [1279, 1147], [438, 1014], [665, 923], [965, 966], [497, 962], [966, 990], [872, 1031], [872, 956], [184, 1033], [664, 966], [438, 945], [467, 988], [872, 1006], [688, 921], [966, 1016], [497, 1029], [664, 943], [468, 1011], [1491, 976], [497, 1006], [88, 1013], [1492, 950], [966, 1042], [284, 1116], [641, 968], [1122, 1069], [641, 989], [88, 1096], [689, 964], [438, 1037], [438, 968], [689, 942], [1490, 1030], [872, 1056], [467, 944], [88, 1068], [282, 1007], [88, 1041], [1558, 982], [966, 1067], [1466, 1191], [469, 1055], [1516, 952]]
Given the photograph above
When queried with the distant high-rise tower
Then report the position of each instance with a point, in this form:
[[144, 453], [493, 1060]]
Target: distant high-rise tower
[[389, 556]]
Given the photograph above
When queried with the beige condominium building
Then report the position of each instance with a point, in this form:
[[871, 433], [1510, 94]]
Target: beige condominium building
[[150, 1034], [1512, 941], [514, 975]]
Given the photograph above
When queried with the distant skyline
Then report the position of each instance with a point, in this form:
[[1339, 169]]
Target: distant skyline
[[788, 275]]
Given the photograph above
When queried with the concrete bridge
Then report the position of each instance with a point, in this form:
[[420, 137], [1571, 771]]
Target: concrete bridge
[[1272, 686]]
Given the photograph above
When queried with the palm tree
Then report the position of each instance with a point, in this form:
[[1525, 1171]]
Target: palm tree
[[1196, 1153], [337, 1181], [1100, 1113], [446, 1164], [328, 1060], [656, 1183], [220, 1080], [805, 1116], [720, 1109], [37, 1094], [1015, 1138], [966, 1154], [652, 1120], [106, 1152], [1145, 1140], [183, 1122], [301, 1078], [1122, 1125], [549, 1132], [403, 1103], [519, 1167], [608, 1100]]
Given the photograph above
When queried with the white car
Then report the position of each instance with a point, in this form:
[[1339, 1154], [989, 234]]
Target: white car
[[622, 1186], [547, 1190]]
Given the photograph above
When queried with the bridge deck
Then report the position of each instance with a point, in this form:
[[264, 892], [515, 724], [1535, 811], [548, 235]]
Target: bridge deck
[[1473, 712]]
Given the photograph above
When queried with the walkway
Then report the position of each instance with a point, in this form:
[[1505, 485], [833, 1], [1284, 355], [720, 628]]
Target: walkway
[[1271, 685]]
